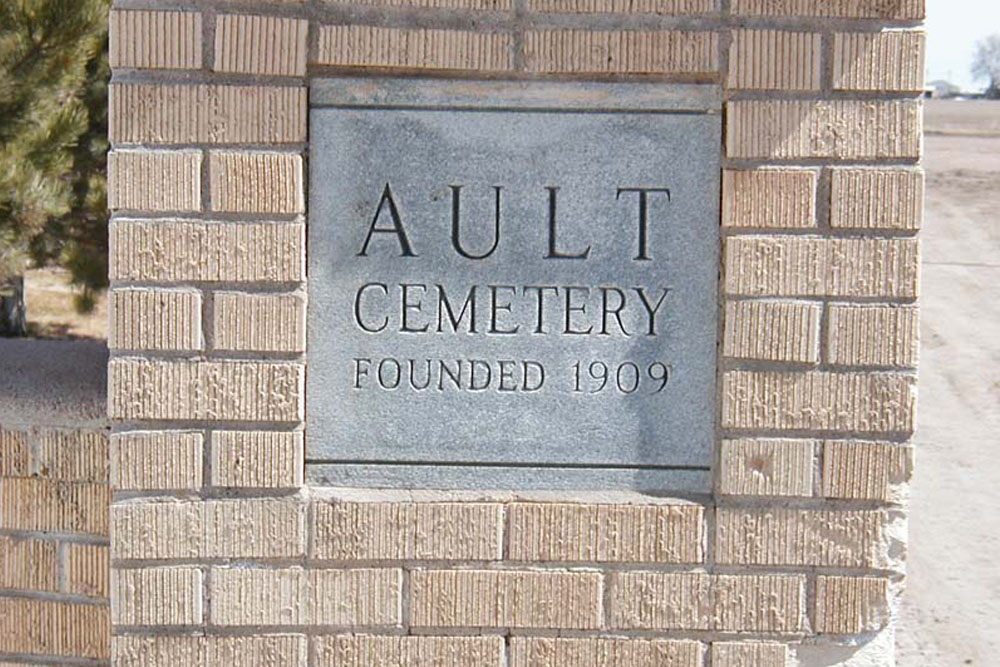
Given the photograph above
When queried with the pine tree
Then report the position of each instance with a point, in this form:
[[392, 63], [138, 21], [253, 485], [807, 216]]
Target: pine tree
[[52, 122]]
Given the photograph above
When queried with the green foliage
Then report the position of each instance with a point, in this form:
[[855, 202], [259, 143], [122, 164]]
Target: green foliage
[[53, 124]]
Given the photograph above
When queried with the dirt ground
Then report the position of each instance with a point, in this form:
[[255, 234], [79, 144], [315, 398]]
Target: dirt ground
[[951, 609], [49, 298]]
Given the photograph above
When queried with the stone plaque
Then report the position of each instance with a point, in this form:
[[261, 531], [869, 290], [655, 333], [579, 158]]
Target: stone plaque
[[512, 285]]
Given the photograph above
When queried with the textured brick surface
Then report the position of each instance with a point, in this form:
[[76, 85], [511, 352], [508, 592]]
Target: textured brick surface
[[259, 322], [864, 9], [72, 455], [279, 650], [772, 331], [213, 529], [88, 567], [892, 60], [877, 199], [154, 181], [180, 114], [155, 40], [260, 45], [371, 46], [13, 453], [844, 129], [355, 597], [475, 5], [862, 402], [802, 266], [155, 320], [366, 651], [873, 335], [659, 7], [694, 601], [257, 182], [775, 60], [46, 627], [505, 599], [406, 531], [54, 506], [769, 198], [156, 596], [552, 652], [767, 467], [257, 459], [621, 52], [174, 250], [823, 538], [606, 533], [856, 470], [254, 596], [156, 460], [28, 564], [749, 654], [849, 605], [205, 390]]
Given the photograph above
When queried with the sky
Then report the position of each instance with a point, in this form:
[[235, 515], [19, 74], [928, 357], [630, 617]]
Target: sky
[[953, 28]]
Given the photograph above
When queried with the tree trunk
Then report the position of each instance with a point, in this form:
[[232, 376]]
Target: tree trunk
[[13, 320]]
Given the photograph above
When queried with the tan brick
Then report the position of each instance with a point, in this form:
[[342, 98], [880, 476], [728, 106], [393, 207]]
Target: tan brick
[[260, 45], [257, 182], [355, 597], [596, 652], [872, 335], [88, 567], [860, 9], [769, 198], [245, 528], [475, 5], [775, 60], [505, 599], [407, 531], [821, 538], [13, 453], [254, 596], [154, 180], [372, 46], [805, 266], [366, 651], [621, 52], [205, 390], [767, 467], [696, 601], [571, 532], [877, 199], [861, 402], [211, 114], [144, 319], [850, 605], [54, 506], [749, 654], [257, 459], [259, 322], [156, 460], [254, 651], [169, 251], [155, 40], [659, 7], [772, 331], [891, 60], [46, 627], [855, 470], [28, 564], [156, 596], [71, 455], [841, 129]]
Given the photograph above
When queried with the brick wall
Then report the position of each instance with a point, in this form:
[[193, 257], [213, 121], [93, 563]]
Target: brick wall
[[222, 557]]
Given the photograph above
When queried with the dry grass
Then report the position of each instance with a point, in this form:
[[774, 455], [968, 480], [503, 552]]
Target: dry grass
[[51, 311]]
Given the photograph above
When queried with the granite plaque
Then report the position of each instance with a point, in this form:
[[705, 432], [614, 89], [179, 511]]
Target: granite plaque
[[512, 284]]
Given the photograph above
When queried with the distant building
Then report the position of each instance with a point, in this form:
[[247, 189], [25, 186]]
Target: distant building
[[941, 89]]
